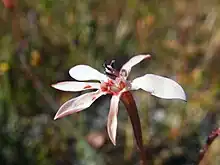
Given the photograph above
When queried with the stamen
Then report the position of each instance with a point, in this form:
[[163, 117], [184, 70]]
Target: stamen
[[110, 71]]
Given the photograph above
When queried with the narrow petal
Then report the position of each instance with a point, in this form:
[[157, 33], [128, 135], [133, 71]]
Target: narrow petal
[[159, 86], [75, 86], [85, 73], [77, 104], [112, 118], [131, 108], [126, 68]]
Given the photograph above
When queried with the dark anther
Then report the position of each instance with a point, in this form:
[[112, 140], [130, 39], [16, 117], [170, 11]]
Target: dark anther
[[110, 70]]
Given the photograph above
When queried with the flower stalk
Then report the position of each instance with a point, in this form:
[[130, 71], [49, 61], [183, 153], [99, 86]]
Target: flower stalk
[[213, 135]]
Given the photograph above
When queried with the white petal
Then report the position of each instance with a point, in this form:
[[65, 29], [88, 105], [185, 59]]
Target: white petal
[[112, 118], [159, 86], [75, 86], [77, 104], [133, 61], [85, 72]]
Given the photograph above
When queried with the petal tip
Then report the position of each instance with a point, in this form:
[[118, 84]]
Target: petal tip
[[147, 56], [182, 97], [113, 141], [58, 116], [185, 99], [55, 117], [112, 137], [53, 85]]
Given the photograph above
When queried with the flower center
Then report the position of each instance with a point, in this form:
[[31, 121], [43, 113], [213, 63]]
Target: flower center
[[114, 86]]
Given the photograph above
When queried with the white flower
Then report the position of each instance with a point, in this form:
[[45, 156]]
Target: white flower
[[156, 85]]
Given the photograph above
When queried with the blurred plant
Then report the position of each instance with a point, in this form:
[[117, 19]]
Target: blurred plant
[[9, 3], [4, 67]]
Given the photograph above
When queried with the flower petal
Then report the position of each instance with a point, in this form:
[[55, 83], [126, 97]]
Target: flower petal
[[75, 86], [112, 118], [77, 104], [126, 68], [85, 72], [131, 108], [159, 86]]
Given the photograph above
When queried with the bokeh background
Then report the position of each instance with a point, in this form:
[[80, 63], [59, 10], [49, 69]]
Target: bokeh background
[[41, 40]]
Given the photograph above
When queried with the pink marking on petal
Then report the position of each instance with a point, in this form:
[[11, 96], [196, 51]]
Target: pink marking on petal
[[94, 98], [104, 87], [110, 82], [87, 86]]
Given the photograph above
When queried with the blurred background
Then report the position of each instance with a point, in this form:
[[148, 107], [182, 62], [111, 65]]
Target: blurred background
[[41, 40]]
